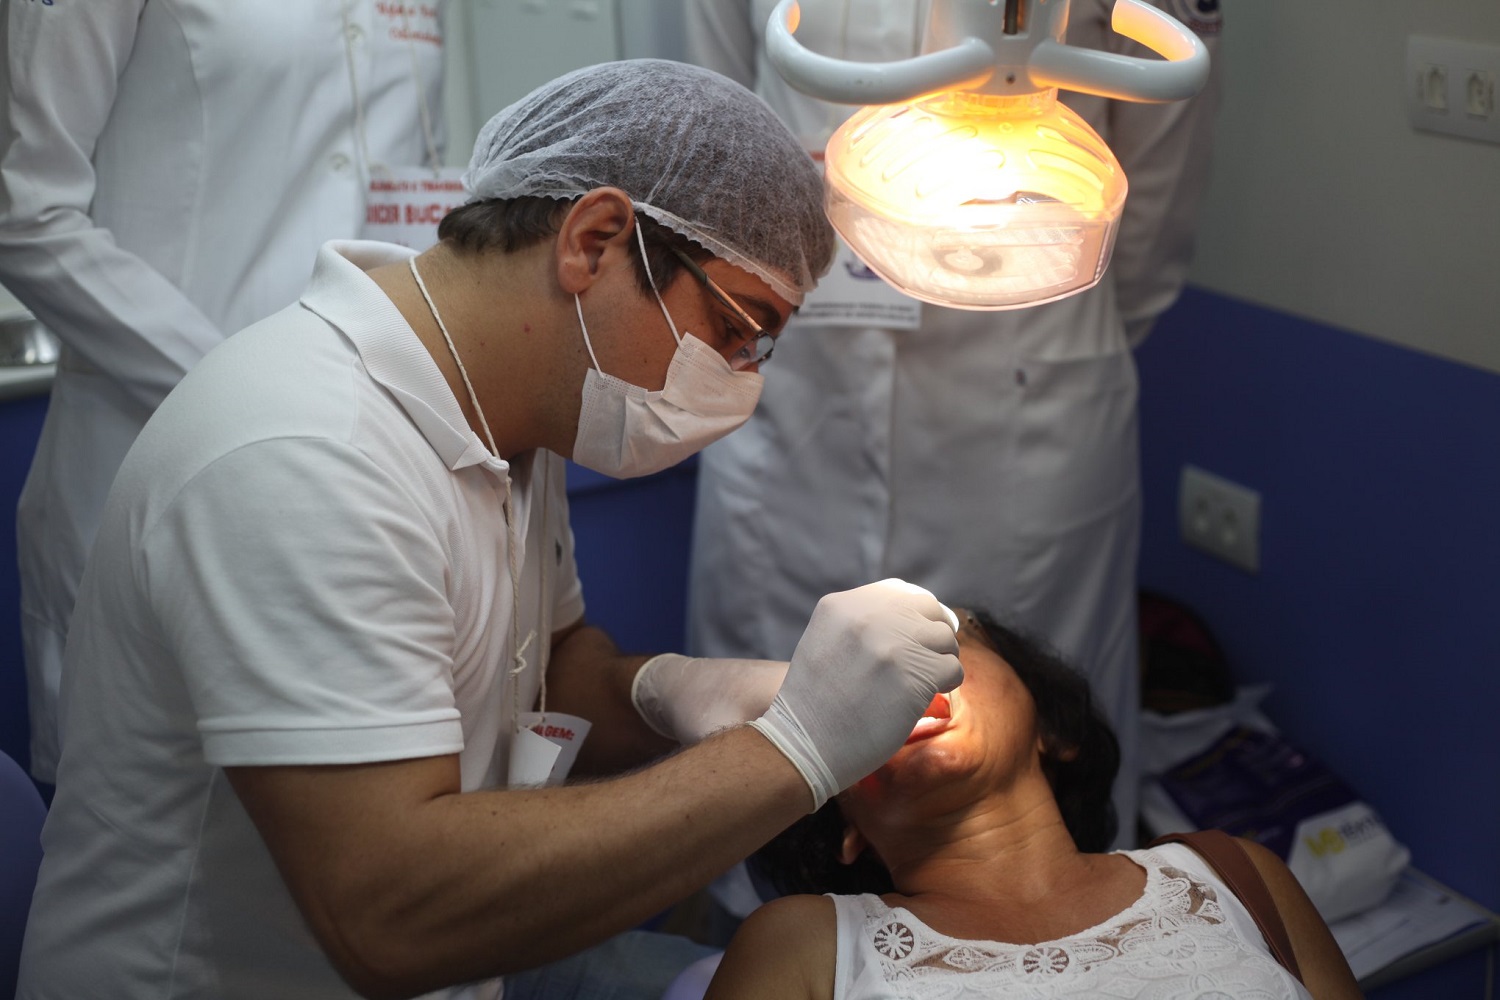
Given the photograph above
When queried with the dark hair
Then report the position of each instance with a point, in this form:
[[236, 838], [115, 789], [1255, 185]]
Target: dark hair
[[513, 224], [1080, 758]]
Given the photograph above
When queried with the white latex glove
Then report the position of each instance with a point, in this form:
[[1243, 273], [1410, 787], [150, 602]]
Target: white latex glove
[[860, 678], [685, 698]]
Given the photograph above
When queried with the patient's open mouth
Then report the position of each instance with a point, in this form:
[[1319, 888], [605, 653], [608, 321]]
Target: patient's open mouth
[[937, 718]]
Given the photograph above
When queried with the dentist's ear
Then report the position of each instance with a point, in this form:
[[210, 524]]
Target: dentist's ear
[[600, 222]]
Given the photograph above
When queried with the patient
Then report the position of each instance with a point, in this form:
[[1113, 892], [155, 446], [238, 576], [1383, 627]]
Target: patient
[[968, 866]]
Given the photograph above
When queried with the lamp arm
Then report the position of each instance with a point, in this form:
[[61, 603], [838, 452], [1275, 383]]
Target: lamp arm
[[966, 65], [1180, 76]]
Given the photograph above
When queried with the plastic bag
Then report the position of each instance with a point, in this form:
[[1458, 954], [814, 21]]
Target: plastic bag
[[1227, 768]]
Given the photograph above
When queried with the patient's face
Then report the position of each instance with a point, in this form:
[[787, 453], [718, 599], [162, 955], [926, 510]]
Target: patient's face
[[979, 737]]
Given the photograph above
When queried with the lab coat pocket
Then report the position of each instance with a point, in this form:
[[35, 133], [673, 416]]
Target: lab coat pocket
[[1077, 449]]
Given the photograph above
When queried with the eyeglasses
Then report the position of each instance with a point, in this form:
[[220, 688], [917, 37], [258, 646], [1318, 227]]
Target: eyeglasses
[[758, 344]]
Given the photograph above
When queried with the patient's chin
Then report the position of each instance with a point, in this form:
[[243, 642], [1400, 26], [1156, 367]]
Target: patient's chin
[[928, 764], [924, 784]]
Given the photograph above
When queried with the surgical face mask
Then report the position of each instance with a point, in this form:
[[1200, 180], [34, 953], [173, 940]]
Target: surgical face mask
[[625, 430]]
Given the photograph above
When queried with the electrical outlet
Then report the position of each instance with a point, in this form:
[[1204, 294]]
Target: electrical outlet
[[1450, 87], [1220, 517]]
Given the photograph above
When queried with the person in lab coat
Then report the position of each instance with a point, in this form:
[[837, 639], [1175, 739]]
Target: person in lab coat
[[335, 576], [169, 171], [989, 456]]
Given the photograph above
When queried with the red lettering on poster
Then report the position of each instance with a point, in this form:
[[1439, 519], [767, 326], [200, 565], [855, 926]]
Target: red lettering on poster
[[382, 215], [430, 214]]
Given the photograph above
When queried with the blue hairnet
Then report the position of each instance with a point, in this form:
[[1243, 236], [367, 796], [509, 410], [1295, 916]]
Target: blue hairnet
[[695, 151]]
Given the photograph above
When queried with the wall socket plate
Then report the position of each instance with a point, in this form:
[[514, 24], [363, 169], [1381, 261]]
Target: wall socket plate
[[1220, 517], [1452, 87]]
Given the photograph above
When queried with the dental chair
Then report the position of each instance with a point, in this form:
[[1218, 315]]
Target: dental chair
[[21, 815], [691, 983]]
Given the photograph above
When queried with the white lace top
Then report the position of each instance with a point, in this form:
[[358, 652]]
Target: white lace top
[[1186, 938]]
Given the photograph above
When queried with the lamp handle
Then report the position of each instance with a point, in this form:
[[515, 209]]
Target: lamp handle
[[964, 66], [972, 62], [1178, 76]]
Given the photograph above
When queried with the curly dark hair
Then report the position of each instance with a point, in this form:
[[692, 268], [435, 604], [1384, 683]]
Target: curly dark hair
[[1080, 758], [513, 224]]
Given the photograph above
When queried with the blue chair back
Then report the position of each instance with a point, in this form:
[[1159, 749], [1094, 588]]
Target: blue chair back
[[21, 816]]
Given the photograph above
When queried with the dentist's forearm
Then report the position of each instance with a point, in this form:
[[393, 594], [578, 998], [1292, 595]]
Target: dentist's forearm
[[410, 885]]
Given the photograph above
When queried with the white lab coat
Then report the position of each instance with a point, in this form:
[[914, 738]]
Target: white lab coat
[[991, 457], [169, 171]]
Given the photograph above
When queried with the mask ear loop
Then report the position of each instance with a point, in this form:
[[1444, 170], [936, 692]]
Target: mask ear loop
[[651, 280], [578, 304]]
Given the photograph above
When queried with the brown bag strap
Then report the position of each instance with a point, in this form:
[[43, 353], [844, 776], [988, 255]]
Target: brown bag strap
[[1227, 857]]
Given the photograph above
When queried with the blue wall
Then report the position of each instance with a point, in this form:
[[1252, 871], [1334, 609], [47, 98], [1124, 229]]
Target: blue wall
[[1375, 610], [20, 423]]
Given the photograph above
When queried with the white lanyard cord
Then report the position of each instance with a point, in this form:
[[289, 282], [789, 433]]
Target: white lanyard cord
[[359, 106], [463, 372], [434, 160], [518, 663], [538, 467]]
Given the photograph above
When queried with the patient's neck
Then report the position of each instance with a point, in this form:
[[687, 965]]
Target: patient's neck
[[1014, 843], [1005, 868]]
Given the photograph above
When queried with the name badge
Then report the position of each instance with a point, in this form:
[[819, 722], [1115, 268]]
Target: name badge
[[851, 294], [404, 205], [543, 751]]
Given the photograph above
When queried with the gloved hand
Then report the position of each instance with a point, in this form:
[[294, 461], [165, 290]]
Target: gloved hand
[[685, 698], [862, 674]]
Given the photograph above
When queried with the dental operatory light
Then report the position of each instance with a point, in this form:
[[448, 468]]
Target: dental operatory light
[[966, 183]]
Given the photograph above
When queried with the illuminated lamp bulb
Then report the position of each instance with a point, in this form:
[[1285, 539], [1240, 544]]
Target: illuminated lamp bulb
[[974, 200], [965, 182]]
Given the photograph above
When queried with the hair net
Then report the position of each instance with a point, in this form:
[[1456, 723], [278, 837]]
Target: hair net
[[695, 151]]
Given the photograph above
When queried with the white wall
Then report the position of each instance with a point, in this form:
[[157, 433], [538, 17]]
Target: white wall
[[1326, 203]]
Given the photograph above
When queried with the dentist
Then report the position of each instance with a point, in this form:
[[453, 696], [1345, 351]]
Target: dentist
[[336, 569]]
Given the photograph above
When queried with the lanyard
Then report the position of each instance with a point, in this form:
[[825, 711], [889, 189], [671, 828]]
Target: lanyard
[[434, 160], [514, 543]]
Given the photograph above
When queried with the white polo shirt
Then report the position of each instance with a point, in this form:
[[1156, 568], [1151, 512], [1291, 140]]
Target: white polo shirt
[[304, 560]]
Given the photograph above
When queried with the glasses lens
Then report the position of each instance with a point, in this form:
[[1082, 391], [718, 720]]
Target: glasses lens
[[762, 348], [754, 352]]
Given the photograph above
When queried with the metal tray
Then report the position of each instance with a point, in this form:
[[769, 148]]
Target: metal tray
[[24, 342]]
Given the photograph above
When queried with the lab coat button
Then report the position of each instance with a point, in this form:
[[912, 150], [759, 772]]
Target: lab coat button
[[355, 33], [339, 162]]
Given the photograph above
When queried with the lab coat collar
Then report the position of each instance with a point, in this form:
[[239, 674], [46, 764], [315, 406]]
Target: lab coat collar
[[392, 353]]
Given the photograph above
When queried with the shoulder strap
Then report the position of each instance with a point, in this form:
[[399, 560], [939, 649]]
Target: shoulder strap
[[1227, 857]]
